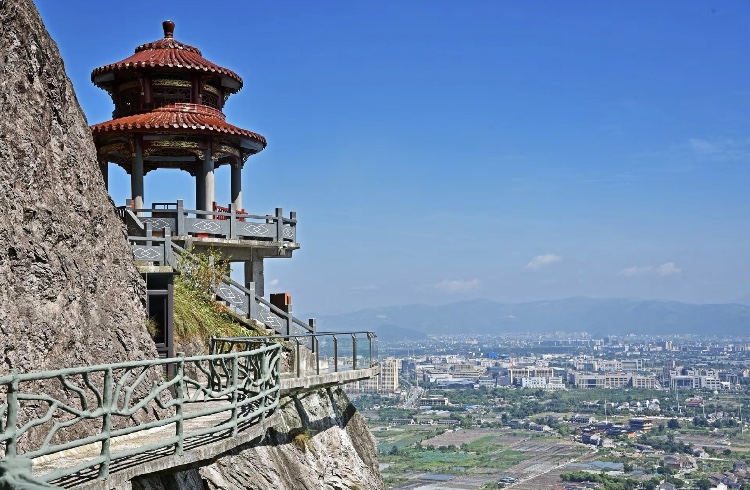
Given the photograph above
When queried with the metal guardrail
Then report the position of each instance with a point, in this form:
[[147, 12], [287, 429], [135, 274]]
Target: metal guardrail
[[330, 352], [106, 398], [232, 225]]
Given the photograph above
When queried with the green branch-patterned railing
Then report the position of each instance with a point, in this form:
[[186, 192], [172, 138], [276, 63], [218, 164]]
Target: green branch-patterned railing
[[41, 413], [330, 352]]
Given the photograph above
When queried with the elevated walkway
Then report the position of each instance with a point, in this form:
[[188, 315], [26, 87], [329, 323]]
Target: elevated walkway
[[210, 405]]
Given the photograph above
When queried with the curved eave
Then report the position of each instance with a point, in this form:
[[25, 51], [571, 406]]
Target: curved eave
[[103, 76], [163, 121]]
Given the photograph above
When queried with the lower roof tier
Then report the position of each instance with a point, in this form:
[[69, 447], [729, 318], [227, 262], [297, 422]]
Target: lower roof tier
[[175, 136]]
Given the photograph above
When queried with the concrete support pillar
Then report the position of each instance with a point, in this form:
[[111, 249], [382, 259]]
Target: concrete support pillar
[[136, 177], [237, 185], [254, 273], [104, 167], [209, 188]]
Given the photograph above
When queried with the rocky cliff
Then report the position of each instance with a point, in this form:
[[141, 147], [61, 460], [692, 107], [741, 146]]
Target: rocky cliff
[[321, 443], [70, 293]]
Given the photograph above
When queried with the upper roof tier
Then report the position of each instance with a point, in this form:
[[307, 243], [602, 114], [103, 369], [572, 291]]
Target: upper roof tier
[[165, 55]]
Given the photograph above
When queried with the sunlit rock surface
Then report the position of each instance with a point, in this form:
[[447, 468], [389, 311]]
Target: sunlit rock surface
[[69, 292]]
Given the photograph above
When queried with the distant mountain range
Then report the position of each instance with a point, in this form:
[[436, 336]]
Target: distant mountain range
[[599, 317]]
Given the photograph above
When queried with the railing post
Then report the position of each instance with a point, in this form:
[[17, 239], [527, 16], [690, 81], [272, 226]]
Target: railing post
[[11, 422], [106, 423], [180, 218], [335, 354], [235, 388], [316, 344], [354, 352], [180, 399], [279, 225], [252, 305], [298, 356], [289, 319], [149, 234], [168, 255], [293, 225], [311, 324], [232, 222], [369, 339]]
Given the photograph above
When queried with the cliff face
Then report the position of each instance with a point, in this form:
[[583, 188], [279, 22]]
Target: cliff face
[[70, 293], [321, 443]]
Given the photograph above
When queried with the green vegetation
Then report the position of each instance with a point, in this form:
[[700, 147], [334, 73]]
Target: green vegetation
[[450, 459], [667, 444], [197, 317], [302, 440], [605, 482]]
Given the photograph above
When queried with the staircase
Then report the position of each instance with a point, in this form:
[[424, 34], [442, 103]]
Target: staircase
[[162, 251]]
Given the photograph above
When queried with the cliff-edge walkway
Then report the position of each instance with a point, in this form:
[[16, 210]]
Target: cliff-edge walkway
[[97, 427]]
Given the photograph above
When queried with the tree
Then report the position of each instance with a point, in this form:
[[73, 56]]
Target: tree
[[652, 484], [673, 424], [703, 484]]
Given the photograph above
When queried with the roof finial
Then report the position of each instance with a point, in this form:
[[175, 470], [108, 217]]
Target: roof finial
[[168, 26]]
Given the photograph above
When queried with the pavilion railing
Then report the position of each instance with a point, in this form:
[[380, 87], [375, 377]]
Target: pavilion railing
[[314, 353], [106, 401], [232, 224], [161, 250]]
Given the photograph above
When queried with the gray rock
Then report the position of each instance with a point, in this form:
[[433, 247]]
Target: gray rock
[[322, 442], [70, 294]]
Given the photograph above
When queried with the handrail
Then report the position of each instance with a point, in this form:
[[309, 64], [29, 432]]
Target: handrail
[[248, 381], [316, 364], [233, 224]]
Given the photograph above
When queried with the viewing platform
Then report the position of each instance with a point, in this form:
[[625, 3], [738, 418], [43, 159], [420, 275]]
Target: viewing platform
[[235, 234]]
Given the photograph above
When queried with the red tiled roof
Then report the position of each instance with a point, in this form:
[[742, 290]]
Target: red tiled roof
[[167, 53], [183, 118]]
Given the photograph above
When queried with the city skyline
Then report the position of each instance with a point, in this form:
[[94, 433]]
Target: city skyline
[[506, 151]]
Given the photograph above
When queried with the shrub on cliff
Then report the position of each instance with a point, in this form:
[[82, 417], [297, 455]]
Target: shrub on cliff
[[197, 316]]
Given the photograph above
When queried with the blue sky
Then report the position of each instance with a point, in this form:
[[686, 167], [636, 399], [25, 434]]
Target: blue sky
[[440, 151]]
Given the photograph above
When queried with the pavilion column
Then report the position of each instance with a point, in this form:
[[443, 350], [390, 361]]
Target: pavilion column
[[200, 187], [254, 273], [136, 176], [237, 185], [208, 183]]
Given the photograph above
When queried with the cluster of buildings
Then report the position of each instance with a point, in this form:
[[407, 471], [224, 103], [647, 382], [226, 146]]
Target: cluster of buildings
[[703, 379], [558, 364], [385, 383], [734, 478], [600, 433]]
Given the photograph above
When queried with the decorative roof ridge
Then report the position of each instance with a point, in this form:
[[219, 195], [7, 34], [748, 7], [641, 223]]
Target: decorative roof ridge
[[188, 107], [170, 54], [168, 43]]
